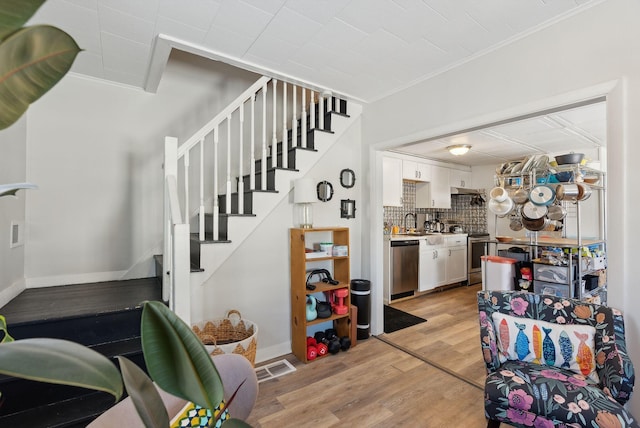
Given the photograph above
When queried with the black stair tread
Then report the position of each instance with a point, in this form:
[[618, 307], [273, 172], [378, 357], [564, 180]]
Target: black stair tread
[[36, 304], [74, 412]]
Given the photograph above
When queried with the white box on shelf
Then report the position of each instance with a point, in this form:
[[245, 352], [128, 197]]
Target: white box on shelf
[[340, 251]]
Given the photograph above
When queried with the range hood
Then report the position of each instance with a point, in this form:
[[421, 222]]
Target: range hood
[[464, 191]]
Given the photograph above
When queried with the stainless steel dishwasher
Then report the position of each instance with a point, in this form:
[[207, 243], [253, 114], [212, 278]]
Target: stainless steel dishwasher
[[404, 268]]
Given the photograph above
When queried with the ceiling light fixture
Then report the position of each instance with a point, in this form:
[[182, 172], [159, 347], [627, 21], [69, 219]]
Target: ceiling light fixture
[[459, 149]]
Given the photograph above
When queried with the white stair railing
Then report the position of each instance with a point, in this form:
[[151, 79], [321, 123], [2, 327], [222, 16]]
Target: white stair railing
[[179, 186]]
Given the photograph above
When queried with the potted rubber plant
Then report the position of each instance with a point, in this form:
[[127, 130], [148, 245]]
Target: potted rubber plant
[[176, 359], [33, 59]]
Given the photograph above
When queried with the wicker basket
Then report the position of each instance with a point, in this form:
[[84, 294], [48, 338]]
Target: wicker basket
[[229, 335]]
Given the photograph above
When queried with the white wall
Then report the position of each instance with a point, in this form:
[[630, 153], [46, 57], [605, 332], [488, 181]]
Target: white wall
[[12, 209], [590, 54], [256, 278], [96, 150]]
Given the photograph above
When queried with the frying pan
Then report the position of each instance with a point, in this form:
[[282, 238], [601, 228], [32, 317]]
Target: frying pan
[[556, 212], [535, 224]]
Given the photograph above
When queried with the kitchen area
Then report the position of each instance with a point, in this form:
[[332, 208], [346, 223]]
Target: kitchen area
[[542, 217], [434, 221]]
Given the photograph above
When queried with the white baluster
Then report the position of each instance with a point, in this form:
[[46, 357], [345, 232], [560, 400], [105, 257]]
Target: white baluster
[[294, 119], [263, 162], [185, 161], [201, 210], [274, 139], [252, 162], [285, 144], [240, 158], [303, 120], [228, 195], [312, 111], [321, 112], [216, 202]]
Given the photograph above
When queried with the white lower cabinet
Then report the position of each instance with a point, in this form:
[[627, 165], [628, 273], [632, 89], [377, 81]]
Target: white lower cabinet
[[442, 261], [432, 271], [456, 258]]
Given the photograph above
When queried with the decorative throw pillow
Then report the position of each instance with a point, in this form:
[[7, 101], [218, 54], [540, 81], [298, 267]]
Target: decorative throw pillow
[[193, 415], [567, 346]]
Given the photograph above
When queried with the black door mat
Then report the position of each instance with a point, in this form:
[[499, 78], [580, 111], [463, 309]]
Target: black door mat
[[395, 319]]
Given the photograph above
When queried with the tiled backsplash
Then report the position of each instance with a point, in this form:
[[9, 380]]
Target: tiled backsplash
[[472, 218]]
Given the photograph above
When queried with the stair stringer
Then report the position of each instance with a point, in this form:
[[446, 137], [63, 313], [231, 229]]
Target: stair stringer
[[213, 255]]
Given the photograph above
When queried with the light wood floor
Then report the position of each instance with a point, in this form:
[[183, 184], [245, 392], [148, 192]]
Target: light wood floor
[[378, 384]]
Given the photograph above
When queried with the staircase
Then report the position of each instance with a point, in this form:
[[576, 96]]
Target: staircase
[[209, 210], [215, 201], [102, 316]]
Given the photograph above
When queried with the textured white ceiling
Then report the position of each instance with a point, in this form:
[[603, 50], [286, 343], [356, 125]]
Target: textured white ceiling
[[360, 49], [364, 49], [572, 130]]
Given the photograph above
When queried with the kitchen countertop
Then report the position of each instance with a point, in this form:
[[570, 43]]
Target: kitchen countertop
[[545, 241], [405, 237]]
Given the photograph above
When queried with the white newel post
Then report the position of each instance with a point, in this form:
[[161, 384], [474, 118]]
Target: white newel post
[[182, 283], [170, 170]]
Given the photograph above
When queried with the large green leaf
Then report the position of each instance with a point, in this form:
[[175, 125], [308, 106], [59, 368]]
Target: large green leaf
[[62, 362], [15, 13], [144, 395], [32, 61], [6, 337], [176, 359]]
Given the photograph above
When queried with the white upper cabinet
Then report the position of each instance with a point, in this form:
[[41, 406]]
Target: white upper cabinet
[[459, 178], [416, 171], [391, 182], [437, 193]]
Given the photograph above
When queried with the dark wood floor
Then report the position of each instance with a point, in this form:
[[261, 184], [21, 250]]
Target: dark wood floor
[[80, 299]]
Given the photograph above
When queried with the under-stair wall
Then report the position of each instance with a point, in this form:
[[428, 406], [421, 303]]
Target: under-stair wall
[[254, 162]]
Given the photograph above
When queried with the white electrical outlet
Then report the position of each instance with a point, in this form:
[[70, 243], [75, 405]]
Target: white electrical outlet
[[16, 235]]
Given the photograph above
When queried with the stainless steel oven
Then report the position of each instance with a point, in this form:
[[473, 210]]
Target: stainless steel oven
[[475, 250]]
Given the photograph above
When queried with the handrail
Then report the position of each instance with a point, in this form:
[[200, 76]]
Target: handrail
[[220, 117], [181, 182]]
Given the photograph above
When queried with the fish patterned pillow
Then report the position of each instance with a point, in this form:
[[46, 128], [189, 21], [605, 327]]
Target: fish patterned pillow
[[561, 345], [194, 416]]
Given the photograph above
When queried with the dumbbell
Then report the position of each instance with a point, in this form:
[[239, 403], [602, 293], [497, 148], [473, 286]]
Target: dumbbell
[[321, 348], [331, 342], [344, 342], [312, 349]]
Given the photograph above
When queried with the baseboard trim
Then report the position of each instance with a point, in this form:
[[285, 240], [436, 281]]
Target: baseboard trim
[[271, 352], [12, 291]]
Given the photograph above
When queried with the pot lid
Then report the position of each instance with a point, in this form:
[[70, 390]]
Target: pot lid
[[534, 212], [542, 195], [501, 209]]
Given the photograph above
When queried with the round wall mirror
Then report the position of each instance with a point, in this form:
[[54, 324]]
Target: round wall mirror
[[347, 178], [325, 191]]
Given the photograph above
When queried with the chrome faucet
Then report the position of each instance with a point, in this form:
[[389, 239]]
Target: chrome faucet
[[415, 221]]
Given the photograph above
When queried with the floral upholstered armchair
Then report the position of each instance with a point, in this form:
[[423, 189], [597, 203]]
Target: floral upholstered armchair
[[554, 362]]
